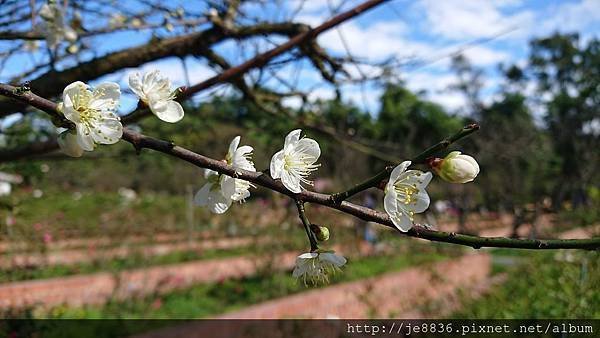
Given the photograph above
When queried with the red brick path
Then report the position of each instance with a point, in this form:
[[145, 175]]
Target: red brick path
[[395, 294], [75, 256], [100, 287]]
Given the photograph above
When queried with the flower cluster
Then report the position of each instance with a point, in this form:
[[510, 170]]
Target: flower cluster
[[315, 267], [221, 190], [296, 161], [56, 29], [93, 112], [155, 91], [405, 195]]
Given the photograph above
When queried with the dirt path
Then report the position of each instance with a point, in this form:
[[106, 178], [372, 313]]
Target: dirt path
[[75, 256], [100, 287], [395, 294], [98, 242], [579, 233]]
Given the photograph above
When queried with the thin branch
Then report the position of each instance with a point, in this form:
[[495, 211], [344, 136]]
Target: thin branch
[[262, 59], [140, 141], [419, 159], [311, 235]]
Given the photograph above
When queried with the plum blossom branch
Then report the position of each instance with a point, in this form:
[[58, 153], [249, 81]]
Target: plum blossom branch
[[140, 141], [419, 159]]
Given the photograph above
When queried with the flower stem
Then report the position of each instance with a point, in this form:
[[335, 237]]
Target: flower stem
[[311, 236]]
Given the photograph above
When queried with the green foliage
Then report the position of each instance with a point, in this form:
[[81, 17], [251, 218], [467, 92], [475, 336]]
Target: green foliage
[[83, 213], [546, 285], [567, 73], [414, 123]]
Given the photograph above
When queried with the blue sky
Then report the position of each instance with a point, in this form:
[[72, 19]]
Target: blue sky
[[426, 31]]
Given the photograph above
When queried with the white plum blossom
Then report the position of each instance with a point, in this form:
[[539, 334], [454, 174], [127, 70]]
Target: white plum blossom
[[56, 29], [294, 163], [67, 141], [315, 267], [93, 112], [155, 91], [117, 20], [5, 188], [405, 195], [221, 190], [456, 168]]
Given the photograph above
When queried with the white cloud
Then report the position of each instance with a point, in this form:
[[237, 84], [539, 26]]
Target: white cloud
[[436, 87], [449, 100], [375, 42], [483, 56], [578, 16], [460, 20]]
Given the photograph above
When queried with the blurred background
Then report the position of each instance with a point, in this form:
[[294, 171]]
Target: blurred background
[[115, 234]]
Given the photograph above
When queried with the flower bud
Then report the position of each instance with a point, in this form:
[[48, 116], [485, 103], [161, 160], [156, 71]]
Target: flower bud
[[455, 168], [321, 232]]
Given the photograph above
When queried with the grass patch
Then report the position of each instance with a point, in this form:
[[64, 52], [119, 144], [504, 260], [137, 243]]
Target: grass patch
[[557, 284]]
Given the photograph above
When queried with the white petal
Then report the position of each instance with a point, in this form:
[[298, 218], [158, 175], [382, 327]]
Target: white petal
[[108, 131], [201, 197], [74, 88], [276, 166], [309, 148], [150, 81], [400, 168], [472, 161], [233, 146], [168, 111], [398, 216], [243, 150], [292, 138], [67, 141], [426, 178], [291, 182], [240, 159], [308, 255], [334, 259], [208, 173], [70, 34], [227, 186], [402, 222], [390, 203], [240, 194], [84, 137], [213, 199], [135, 84], [420, 204], [46, 12], [107, 96], [217, 202], [71, 91]]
